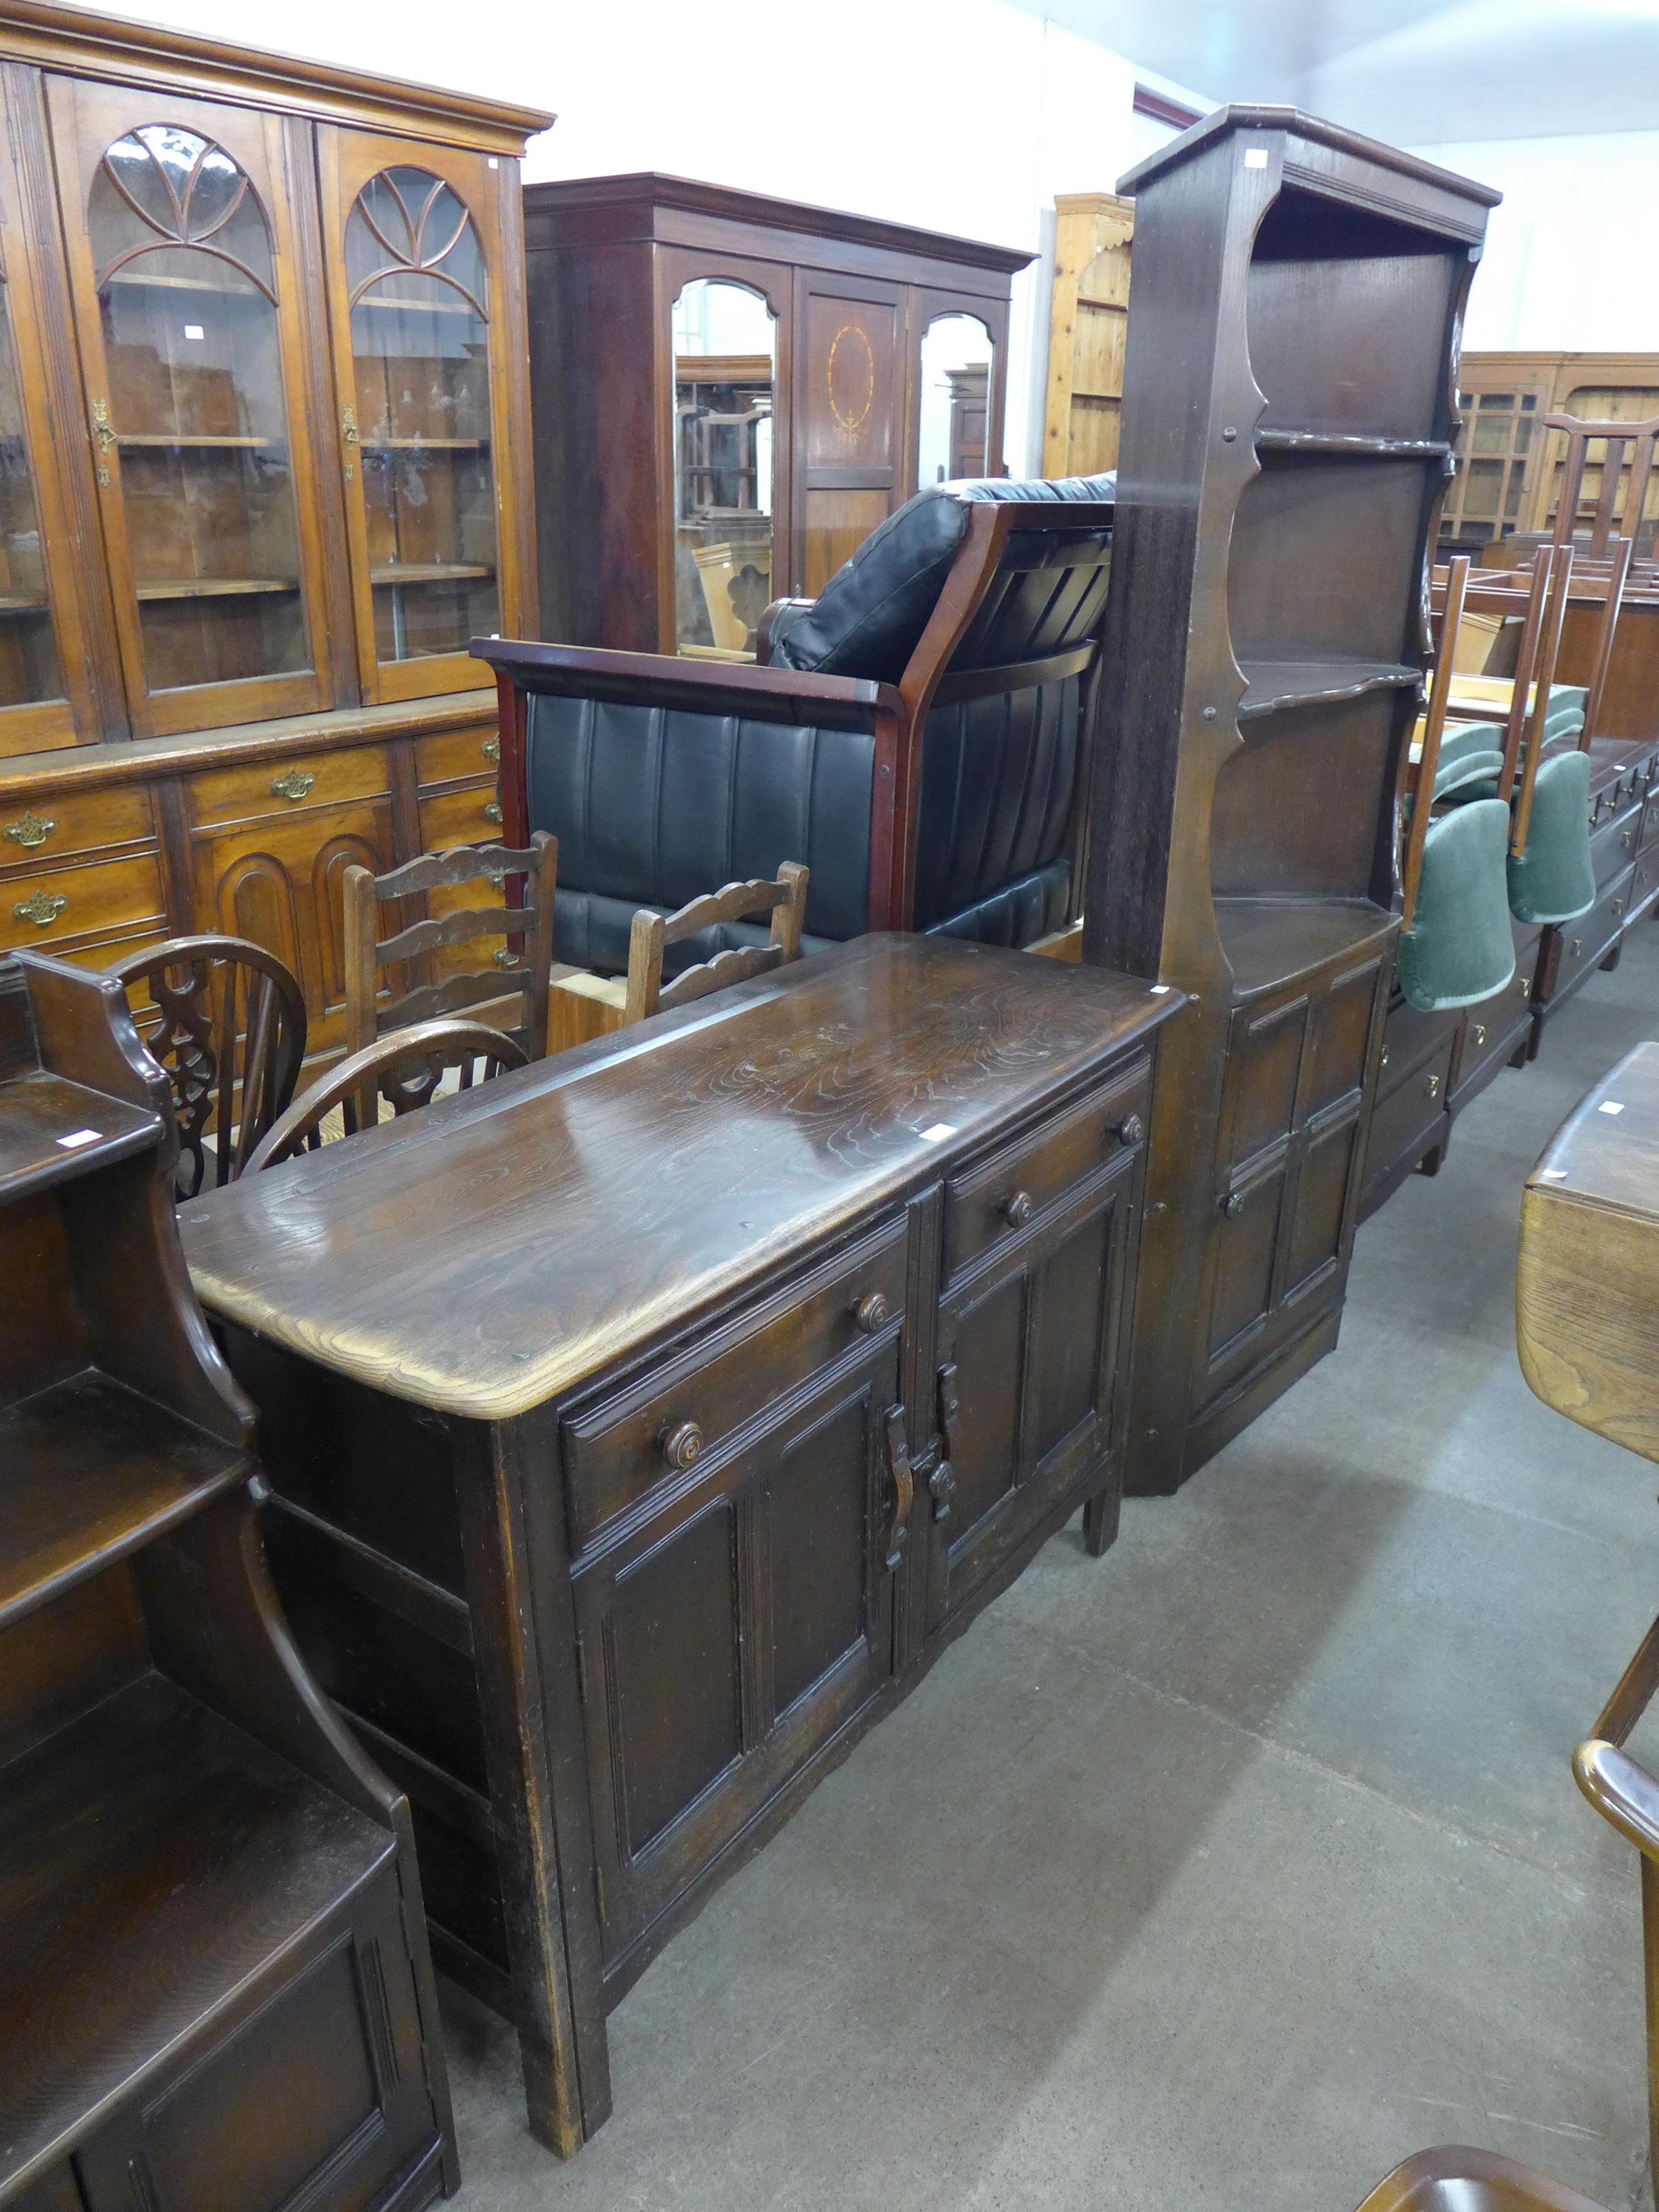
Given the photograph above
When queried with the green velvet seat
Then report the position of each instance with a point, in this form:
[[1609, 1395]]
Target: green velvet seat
[[1459, 948], [1552, 880]]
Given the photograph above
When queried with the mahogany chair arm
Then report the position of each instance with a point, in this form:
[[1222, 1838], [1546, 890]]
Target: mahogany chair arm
[[702, 687], [768, 621], [1623, 1793]]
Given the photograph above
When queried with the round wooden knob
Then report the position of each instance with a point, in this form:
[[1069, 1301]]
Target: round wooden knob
[[870, 1313], [682, 1445], [1131, 1129], [1018, 1209], [1233, 1204]]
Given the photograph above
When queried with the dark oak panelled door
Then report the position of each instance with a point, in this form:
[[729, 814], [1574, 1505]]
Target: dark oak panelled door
[[735, 1630], [853, 461], [422, 351], [187, 289], [1027, 1346]]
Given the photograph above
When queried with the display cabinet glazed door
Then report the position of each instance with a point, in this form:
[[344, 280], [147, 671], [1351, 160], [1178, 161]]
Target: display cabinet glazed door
[[426, 375], [961, 373], [45, 695], [728, 1635], [1028, 1350], [187, 285], [853, 462]]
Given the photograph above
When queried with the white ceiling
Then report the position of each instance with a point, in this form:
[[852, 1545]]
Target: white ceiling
[[1415, 72]]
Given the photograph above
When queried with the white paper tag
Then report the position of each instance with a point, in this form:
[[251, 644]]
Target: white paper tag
[[1255, 157], [1551, 1174], [77, 1138], [1160, 990], [938, 1133], [1611, 1106], [194, 330]]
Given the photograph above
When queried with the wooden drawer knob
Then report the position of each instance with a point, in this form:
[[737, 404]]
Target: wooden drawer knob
[[1018, 1209], [493, 810], [682, 1446], [870, 1313], [1233, 1204], [1130, 1130]]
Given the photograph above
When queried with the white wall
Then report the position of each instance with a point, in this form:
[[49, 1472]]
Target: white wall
[[1566, 268], [967, 118]]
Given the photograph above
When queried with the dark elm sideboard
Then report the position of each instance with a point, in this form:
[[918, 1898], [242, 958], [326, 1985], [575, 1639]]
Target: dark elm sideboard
[[642, 1424]]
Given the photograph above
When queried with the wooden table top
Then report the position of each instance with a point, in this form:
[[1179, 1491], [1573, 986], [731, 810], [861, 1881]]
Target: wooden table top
[[1587, 1281], [509, 1243]]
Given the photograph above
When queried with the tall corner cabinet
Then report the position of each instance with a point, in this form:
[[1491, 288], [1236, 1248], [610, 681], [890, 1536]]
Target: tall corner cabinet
[[1088, 321], [1287, 420], [263, 379], [732, 392]]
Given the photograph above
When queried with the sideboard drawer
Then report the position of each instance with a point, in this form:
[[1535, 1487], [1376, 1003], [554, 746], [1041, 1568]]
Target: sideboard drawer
[[77, 822], [992, 1201], [79, 901], [469, 817], [623, 1448], [1645, 877], [233, 794], [456, 754]]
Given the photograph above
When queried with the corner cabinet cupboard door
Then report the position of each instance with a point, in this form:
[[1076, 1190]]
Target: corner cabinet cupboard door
[[429, 373], [853, 449], [733, 1634], [46, 700], [317, 2096], [191, 304], [1027, 1352]]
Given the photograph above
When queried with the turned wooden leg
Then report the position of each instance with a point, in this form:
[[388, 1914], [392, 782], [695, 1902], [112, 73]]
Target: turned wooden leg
[[1650, 1962], [1100, 1520]]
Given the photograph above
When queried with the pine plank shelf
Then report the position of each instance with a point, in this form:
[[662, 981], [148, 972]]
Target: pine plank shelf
[[1273, 685], [152, 282], [90, 1472], [1339, 442], [216, 587], [1269, 942], [213, 443], [39, 1108], [12, 604], [426, 572], [155, 1861]]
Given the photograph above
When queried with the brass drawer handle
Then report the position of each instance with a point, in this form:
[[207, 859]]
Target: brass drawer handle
[[294, 786], [1574, 948], [1017, 1209], [42, 907], [1478, 1031], [1384, 1061], [1523, 987], [1628, 838], [904, 1488], [1130, 1130], [1619, 906], [491, 748], [30, 829], [682, 1446], [504, 956], [870, 1313], [493, 810], [1432, 1086], [1233, 1204], [101, 427]]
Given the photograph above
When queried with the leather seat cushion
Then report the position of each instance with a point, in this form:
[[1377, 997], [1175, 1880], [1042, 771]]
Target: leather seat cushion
[[869, 617]]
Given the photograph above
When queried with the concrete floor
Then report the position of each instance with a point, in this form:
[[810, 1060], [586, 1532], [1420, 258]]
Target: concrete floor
[[1229, 1868]]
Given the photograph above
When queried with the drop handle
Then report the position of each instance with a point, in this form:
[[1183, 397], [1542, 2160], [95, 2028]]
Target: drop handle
[[682, 1445], [870, 1313], [1432, 1086], [1478, 1030], [942, 1482], [1017, 1209], [1130, 1130], [904, 1488]]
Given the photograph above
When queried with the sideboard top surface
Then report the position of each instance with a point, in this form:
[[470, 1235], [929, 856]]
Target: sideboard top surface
[[517, 1240]]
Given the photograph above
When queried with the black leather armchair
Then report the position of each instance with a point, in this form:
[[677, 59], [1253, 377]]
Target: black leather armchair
[[917, 735]]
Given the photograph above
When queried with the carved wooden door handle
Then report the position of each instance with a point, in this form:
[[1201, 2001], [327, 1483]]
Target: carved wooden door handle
[[942, 1482], [904, 1487]]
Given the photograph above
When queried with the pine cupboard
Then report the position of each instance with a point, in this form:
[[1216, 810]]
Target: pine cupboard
[[262, 366]]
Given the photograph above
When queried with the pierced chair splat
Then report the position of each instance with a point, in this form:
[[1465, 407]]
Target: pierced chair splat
[[405, 1071]]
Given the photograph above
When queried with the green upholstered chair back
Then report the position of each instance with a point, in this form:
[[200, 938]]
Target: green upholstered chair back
[[1459, 948], [1470, 753], [1554, 880]]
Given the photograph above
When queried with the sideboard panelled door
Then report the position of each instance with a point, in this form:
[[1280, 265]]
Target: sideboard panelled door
[[188, 300], [854, 450], [45, 693], [416, 243]]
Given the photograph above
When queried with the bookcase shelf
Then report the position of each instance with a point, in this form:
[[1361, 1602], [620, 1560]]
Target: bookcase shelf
[[1273, 684]]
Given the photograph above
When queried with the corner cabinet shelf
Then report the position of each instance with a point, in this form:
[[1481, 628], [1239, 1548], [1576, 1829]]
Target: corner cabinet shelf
[[218, 1988], [1278, 491]]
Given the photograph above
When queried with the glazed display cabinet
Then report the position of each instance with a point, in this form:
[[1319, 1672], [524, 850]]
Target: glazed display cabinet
[[1287, 419], [732, 392], [262, 358]]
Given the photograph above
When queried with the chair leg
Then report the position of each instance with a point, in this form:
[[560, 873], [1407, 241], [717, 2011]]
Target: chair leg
[[1651, 1963]]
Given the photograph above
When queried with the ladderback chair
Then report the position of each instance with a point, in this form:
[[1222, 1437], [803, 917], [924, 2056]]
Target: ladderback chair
[[783, 903], [527, 917], [1610, 520], [917, 736], [404, 1071], [228, 1031]]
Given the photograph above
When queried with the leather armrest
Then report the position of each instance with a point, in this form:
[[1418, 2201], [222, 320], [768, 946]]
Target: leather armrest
[[774, 613]]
